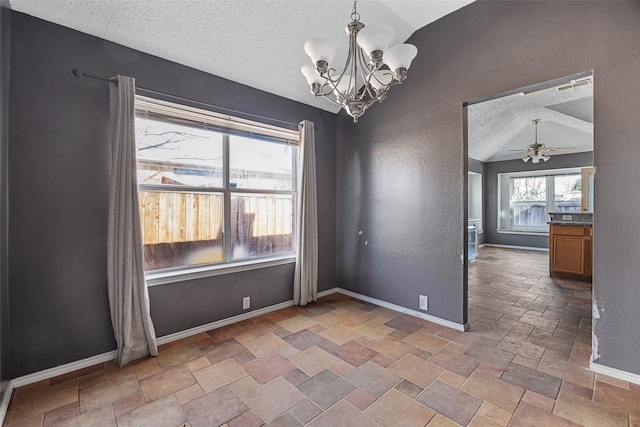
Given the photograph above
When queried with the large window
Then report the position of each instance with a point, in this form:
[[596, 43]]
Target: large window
[[525, 199], [213, 190]]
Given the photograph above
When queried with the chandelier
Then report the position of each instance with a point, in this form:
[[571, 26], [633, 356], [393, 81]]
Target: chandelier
[[362, 81]]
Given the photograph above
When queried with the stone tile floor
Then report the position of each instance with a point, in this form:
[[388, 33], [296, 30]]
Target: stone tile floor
[[344, 362]]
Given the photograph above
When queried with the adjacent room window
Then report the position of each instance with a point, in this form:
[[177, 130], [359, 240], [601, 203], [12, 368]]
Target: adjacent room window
[[213, 189], [526, 198]]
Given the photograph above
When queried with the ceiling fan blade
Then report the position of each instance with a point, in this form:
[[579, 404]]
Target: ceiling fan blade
[[557, 149]]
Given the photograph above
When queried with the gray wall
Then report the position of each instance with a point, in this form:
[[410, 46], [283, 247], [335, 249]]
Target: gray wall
[[5, 23], [58, 186], [402, 168], [491, 192]]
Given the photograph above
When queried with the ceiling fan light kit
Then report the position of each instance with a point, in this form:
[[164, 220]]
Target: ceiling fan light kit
[[536, 150], [362, 81]]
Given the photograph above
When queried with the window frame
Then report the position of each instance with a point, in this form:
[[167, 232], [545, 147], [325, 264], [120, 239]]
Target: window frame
[[226, 125], [506, 208]]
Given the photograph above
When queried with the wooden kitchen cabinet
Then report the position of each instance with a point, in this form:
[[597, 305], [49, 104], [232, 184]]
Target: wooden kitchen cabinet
[[570, 250]]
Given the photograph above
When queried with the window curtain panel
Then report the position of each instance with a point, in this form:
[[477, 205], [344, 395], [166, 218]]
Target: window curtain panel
[[305, 283], [128, 294]]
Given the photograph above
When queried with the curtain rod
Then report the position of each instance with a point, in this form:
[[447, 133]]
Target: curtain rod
[[79, 73]]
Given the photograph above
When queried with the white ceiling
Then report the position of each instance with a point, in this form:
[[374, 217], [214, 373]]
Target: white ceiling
[[498, 126], [258, 43]]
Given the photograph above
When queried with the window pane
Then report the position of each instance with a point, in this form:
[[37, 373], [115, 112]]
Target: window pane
[[262, 224], [181, 229], [568, 193], [175, 154], [260, 165], [532, 189], [529, 214], [529, 201]]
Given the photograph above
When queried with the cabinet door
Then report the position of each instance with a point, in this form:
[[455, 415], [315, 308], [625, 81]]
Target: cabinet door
[[588, 257], [568, 254]]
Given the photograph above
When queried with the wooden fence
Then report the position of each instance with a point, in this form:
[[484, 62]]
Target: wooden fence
[[165, 216], [177, 225]]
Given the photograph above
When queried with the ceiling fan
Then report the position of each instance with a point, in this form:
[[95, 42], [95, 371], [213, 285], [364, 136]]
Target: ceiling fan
[[536, 152]]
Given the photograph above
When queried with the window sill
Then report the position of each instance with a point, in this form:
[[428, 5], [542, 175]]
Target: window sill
[[524, 232], [168, 277]]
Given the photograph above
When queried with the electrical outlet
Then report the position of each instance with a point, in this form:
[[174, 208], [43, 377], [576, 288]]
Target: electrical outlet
[[246, 302], [424, 303]]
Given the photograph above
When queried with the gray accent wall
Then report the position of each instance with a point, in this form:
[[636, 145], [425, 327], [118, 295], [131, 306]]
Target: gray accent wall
[[59, 156], [402, 168], [491, 193]]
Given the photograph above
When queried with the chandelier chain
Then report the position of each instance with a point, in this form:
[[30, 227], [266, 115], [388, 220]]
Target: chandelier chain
[[355, 16]]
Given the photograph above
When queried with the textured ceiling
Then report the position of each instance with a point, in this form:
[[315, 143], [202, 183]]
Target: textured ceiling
[[258, 43], [500, 125]]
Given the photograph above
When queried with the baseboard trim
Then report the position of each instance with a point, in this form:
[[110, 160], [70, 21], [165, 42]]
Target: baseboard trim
[[328, 292], [398, 308], [6, 399], [220, 323], [63, 369], [523, 248], [614, 373], [111, 355]]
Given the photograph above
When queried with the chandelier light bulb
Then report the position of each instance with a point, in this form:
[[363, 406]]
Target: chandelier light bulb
[[375, 37], [381, 79], [309, 71], [400, 56], [321, 49]]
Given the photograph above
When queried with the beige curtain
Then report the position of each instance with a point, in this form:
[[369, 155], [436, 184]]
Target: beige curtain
[[305, 284], [128, 295]]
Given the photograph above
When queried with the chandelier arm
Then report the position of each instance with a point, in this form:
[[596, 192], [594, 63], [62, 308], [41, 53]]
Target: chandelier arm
[[326, 96], [353, 53], [368, 88], [329, 81]]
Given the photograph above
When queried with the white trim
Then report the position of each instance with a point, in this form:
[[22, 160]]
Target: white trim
[[111, 355], [614, 373], [224, 322], [64, 369], [400, 309], [182, 275], [523, 232], [199, 115], [328, 292], [523, 248], [6, 399]]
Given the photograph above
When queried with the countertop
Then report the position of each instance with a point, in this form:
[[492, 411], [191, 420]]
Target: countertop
[[570, 222]]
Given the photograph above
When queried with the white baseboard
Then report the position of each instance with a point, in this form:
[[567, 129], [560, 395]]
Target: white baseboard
[[111, 355], [328, 292], [614, 373], [6, 399], [63, 369], [220, 323], [398, 308], [523, 248]]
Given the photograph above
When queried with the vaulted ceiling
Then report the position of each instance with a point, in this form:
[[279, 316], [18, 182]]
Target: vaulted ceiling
[[502, 128]]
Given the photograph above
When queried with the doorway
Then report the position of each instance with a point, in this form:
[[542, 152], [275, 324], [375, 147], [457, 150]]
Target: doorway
[[528, 147]]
